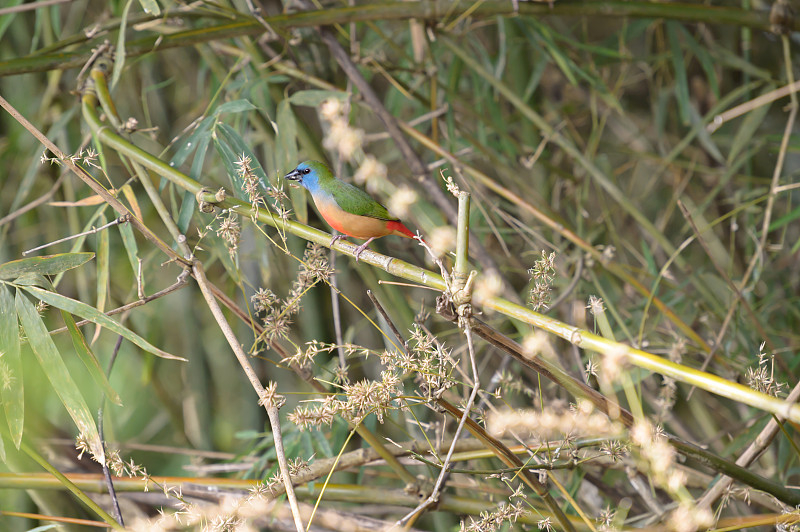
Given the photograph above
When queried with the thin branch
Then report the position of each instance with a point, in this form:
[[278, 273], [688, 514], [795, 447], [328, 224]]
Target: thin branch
[[106, 473], [90, 181], [265, 397], [94, 230]]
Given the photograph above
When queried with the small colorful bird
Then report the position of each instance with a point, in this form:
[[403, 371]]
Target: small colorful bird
[[346, 208]]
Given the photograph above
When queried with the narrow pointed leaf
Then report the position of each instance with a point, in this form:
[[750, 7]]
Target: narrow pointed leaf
[[185, 148], [47, 265], [189, 204], [95, 316], [150, 7], [53, 366], [102, 266], [119, 62], [236, 106], [228, 159], [89, 359], [131, 248], [11, 389], [240, 147], [678, 63], [33, 279]]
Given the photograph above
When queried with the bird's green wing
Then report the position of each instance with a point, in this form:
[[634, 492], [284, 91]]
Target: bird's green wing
[[356, 201]]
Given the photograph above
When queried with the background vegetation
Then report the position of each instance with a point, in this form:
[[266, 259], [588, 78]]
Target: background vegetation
[[633, 225]]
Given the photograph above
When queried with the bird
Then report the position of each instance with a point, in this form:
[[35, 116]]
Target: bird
[[346, 208]]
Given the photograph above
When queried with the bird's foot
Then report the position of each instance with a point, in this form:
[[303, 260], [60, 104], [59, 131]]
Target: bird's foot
[[335, 239], [362, 247]]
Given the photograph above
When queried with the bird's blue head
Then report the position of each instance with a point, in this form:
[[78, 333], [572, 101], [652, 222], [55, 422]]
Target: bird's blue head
[[310, 175]]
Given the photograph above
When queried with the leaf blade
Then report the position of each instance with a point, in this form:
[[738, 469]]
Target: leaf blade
[[95, 316], [11, 384], [89, 359], [57, 373], [44, 265]]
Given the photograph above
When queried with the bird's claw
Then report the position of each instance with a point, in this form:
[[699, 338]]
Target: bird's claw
[[362, 247], [359, 250]]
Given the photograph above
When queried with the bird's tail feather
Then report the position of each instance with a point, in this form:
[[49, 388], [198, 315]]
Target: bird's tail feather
[[400, 229]]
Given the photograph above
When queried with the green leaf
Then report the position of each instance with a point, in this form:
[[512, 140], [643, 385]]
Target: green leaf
[[703, 136], [119, 55], [102, 266], [95, 316], [314, 98], [190, 144], [46, 265], [229, 159], [150, 7], [286, 156], [681, 83], [132, 249], [240, 147], [189, 203], [33, 279], [53, 366], [788, 218], [236, 106], [704, 58], [89, 359], [11, 389], [541, 34], [5, 21], [79, 241], [753, 120]]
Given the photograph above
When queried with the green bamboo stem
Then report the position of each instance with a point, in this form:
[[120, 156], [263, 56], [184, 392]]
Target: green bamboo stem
[[580, 390], [399, 268], [438, 11], [613, 268], [462, 236], [332, 492]]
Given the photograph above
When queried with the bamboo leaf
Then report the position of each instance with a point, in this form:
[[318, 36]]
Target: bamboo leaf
[[190, 144], [681, 83], [130, 195], [119, 56], [236, 106], [704, 58], [33, 279], [89, 359], [95, 316], [240, 147], [229, 159], [286, 155], [11, 386], [751, 122], [131, 248], [46, 265], [150, 7], [53, 366], [189, 204], [102, 266]]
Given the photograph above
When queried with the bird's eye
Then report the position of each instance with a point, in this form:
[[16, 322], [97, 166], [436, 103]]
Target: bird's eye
[[306, 170]]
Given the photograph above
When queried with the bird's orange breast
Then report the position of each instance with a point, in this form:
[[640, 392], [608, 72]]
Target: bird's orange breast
[[351, 224]]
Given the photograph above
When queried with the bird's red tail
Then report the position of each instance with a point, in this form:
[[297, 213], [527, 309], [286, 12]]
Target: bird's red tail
[[400, 228]]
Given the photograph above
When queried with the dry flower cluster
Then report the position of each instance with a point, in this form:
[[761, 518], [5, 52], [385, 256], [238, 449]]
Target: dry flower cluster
[[277, 313]]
